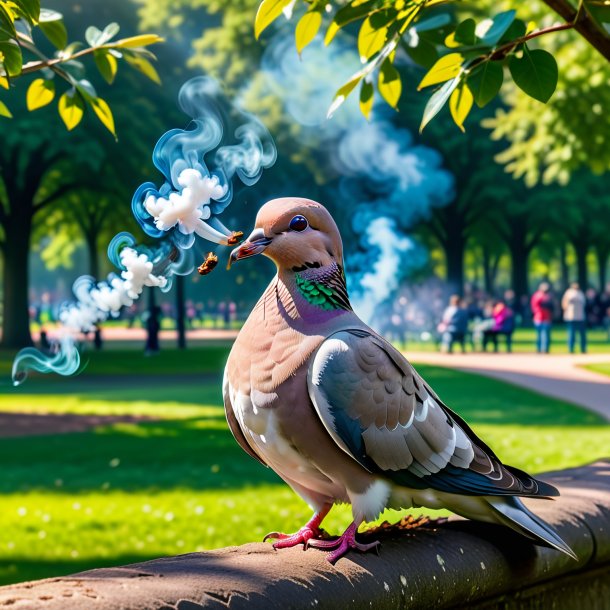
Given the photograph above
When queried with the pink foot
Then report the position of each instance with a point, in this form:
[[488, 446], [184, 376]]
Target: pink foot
[[285, 541], [308, 532], [343, 544]]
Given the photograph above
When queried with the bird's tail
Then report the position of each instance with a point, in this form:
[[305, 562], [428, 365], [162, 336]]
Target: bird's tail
[[511, 511]]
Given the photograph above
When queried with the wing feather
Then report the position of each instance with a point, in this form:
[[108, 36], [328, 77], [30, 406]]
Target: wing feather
[[384, 415]]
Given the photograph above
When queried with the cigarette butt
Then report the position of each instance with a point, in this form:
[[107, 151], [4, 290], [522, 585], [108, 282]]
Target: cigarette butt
[[211, 260], [235, 238]]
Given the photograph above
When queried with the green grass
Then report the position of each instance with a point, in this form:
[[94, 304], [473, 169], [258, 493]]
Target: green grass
[[601, 367], [130, 492]]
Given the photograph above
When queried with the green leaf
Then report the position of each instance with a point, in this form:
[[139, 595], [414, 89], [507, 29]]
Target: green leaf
[[343, 92], [535, 73], [348, 14], [97, 38], [460, 104], [432, 23], [7, 21], [437, 101], [366, 99], [144, 66], [424, 54], [464, 33], [372, 36], [47, 15], [389, 84], [106, 64], [10, 56], [30, 9], [40, 93], [516, 30], [71, 109], [4, 111], [55, 32], [500, 23], [268, 12], [307, 28], [143, 40], [446, 68], [485, 83], [104, 114]]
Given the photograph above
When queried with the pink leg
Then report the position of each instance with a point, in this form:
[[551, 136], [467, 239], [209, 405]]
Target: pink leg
[[310, 530], [343, 544]]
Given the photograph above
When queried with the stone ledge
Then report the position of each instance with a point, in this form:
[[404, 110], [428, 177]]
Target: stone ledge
[[454, 565]]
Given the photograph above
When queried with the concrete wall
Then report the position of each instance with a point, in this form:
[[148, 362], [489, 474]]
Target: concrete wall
[[458, 564]]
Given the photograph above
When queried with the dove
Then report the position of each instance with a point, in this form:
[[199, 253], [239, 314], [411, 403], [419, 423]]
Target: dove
[[339, 414]]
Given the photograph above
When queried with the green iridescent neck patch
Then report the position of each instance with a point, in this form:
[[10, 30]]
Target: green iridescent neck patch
[[321, 294]]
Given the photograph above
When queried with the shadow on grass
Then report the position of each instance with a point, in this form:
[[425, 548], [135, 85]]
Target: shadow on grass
[[197, 453]]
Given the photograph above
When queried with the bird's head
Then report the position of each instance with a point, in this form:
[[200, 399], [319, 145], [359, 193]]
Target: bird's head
[[294, 233]]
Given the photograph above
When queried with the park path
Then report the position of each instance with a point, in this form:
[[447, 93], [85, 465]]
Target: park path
[[559, 376]]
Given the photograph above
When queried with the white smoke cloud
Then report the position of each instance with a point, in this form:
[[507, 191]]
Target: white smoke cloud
[[188, 208], [96, 302]]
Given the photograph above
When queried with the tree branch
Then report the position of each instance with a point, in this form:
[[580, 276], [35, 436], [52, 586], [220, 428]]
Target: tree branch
[[583, 24], [61, 190]]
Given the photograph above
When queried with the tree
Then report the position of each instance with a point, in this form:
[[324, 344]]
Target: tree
[[478, 51], [35, 173], [22, 22], [584, 225]]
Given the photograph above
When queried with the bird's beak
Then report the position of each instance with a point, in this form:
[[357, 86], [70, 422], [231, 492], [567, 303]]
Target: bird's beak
[[255, 244]]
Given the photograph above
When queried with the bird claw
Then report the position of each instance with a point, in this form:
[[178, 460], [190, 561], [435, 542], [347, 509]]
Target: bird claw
[[342, 545], [284, 541]]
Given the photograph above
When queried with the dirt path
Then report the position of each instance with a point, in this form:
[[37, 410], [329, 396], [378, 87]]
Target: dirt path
[[559, 376], [28, 424]]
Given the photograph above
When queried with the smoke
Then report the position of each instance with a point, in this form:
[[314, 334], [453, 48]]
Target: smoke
[[387, 181], [382, 279], [198, 168]]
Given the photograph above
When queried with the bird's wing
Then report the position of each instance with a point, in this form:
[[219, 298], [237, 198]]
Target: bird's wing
[[234, 422], [382, 413]]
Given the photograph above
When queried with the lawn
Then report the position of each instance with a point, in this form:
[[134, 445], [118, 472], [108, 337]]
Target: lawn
[[130, 492], [601, 367]]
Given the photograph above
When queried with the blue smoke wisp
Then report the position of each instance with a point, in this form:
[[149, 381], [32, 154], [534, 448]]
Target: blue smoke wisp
[[194, 192]]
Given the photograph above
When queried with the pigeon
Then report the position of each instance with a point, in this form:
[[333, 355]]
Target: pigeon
[[339, 414]]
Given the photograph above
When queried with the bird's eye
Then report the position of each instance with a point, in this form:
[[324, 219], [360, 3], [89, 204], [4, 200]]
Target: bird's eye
[[298, 223]]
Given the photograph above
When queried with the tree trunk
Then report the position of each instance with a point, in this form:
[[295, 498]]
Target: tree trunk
[[581, 247], [490, 268], [93, 255], [602, 266], [519, 270], [16, 317], [565, 270], [180, 322], [94, 270]]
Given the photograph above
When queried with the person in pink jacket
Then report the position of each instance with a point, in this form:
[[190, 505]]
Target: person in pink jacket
[[503, 324], [542, 310]]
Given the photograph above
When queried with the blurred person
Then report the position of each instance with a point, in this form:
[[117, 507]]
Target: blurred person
[[594, 314], [153, 326], [542, 306], [454, 325], [130, 315], [232, 313], [573, 305], [605, 300], [191, 313], [503, 324]]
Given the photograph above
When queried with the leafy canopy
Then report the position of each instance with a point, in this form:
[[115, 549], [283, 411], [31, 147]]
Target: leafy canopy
[[467, 60], [21, 24]]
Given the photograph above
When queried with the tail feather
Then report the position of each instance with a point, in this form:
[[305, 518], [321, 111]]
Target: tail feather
[[513, 513]]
